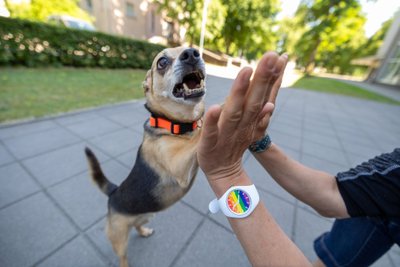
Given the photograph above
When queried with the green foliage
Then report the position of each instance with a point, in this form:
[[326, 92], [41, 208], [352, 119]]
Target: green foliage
[[248, 27], [34, 44], [328, 34], [240, 28], [40, 10], [185, 13]]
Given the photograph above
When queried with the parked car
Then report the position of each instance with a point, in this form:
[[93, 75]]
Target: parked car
[[70, 22]]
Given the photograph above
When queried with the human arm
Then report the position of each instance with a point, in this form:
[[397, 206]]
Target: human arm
[[315, 188], [226, 134]]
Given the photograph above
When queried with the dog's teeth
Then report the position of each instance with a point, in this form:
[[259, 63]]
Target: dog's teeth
[[202, 83]]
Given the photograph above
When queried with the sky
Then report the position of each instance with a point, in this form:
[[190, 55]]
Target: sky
[[377, 12]]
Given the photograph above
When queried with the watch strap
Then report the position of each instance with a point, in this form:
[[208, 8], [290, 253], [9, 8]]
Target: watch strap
[[261, 145], [236, 202]]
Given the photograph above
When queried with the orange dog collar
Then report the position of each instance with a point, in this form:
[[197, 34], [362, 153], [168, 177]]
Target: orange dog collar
[[173, 127]]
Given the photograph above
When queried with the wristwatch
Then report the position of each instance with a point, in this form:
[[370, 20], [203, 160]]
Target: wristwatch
[[261, 145], [236, 202]]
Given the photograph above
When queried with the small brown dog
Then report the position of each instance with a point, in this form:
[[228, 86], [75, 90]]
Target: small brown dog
[[166, 162]]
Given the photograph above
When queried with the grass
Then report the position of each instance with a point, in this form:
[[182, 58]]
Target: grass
[[326, 85], [26, 92]]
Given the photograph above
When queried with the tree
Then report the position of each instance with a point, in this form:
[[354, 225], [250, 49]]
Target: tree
[[181, 13], [248, 28], [332, 27], [40, 10]]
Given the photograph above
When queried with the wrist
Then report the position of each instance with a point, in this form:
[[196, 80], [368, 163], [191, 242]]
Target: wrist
[[222, 184]]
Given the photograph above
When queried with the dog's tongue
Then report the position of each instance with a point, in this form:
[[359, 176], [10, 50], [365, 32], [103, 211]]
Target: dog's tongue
[[191, 84]]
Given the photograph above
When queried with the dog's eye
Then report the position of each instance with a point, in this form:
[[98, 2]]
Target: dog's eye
[[162, 63]]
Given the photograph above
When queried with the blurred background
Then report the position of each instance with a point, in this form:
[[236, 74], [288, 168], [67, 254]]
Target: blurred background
[[356, 40]]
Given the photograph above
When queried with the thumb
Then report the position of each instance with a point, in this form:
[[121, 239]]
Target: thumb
[[209, 134]]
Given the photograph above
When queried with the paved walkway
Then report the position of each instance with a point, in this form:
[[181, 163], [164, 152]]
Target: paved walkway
[[52, 215]]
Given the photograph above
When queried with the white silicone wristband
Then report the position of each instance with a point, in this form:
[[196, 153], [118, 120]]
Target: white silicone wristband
[[236, 202]]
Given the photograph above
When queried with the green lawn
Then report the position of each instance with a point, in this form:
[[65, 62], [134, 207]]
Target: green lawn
[[26, 92], [326, 85]]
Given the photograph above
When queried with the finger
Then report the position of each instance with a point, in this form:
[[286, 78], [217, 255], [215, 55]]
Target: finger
[[233, 106], [209, 134], [264, 76], [277, 85], [265, 117], [267, 110]]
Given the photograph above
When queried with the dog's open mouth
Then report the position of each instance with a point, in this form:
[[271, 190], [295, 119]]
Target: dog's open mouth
[[192, 86]]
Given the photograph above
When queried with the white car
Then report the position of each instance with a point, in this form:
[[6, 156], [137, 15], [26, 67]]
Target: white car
[[71, 22]]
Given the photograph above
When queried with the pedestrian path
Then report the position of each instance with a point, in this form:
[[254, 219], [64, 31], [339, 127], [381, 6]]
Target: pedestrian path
[[52, 215]]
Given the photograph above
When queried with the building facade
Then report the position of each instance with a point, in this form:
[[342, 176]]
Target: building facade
[[388, 71], [385, 65], [137, 19]]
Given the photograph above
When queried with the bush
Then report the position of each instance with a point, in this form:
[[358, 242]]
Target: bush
[[34, 44]]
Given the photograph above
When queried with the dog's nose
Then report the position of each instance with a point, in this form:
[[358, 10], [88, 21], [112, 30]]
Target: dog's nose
[[190, 56]]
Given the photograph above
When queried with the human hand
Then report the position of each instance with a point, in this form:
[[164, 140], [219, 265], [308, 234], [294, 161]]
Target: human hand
[[228, 132]]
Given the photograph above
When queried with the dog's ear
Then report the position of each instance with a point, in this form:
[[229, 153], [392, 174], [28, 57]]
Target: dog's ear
[[147, 82]]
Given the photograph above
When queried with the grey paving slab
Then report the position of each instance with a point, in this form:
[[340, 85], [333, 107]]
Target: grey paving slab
[[321, 164], [384, 261], [115, 171], [394, 255], [200, 194], [133, 107], [12, 131], [39, 142], [286, 128], [263, 180], [76, 253], [330, 140], [5, 156], [30, 230], [81, 200], [118, 142], [285, 140], [94, 127], [128, 158], [282, 211], [54, 166], [129, 118], [16, 183], [174, 228], [308, 227], [77, 117], [213, 246], [334, 155]]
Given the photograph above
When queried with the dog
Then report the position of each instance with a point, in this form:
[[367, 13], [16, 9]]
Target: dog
[[166, 163]]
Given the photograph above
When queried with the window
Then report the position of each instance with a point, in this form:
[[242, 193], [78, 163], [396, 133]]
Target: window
[[390, 74], [89, 5], [153, 22], [130, 10]]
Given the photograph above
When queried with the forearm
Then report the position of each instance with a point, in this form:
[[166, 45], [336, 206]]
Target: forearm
[[315, 188], [263, 240]]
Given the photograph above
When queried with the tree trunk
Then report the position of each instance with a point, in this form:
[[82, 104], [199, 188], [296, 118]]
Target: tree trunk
[[309, 68]]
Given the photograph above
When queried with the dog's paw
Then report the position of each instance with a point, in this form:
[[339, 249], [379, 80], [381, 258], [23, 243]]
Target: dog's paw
[[145, 232]]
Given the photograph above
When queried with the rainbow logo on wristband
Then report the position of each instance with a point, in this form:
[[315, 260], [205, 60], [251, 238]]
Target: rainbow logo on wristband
[[238, 201]]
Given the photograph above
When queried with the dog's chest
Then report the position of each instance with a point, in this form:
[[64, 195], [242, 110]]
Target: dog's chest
[[173, 158]]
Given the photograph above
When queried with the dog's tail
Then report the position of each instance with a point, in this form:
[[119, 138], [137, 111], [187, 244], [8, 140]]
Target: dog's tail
[[97, 174]]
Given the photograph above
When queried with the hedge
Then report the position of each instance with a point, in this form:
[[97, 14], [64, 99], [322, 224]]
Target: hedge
[[33, 44]]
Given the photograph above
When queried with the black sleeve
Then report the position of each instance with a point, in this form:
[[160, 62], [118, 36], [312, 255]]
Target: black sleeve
[[373, 188]]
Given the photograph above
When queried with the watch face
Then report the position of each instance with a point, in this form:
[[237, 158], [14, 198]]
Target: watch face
[[238, 201]]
